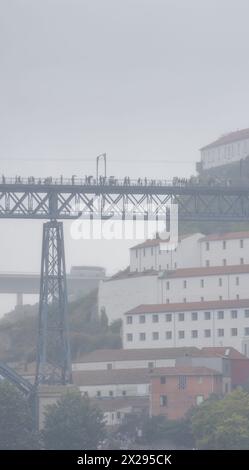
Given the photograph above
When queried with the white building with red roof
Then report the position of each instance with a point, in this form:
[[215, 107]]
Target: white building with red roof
[[228, 148]]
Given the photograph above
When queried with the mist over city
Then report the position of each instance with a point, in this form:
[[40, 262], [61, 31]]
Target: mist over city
[[124, 228]]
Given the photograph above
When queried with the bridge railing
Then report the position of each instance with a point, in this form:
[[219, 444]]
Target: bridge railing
[[112, 181]]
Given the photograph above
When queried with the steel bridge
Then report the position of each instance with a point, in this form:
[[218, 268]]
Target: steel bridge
[[68, 199], [62, 199]]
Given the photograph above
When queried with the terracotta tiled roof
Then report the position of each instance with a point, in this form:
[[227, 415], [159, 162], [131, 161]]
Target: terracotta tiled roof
[[229, 138], [111, 355], [225, 236], [184, 371], [156, 241], [181, 306], [207, 271], [231, 353]]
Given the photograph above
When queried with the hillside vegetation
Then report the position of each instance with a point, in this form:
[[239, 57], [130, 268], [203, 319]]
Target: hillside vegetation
[[18, 331]]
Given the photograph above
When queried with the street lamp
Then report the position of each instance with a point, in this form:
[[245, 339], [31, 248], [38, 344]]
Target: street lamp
[[103, 156]]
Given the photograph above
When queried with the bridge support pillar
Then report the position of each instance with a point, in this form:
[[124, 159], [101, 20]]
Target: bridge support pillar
[[19, 299], [53, 352]]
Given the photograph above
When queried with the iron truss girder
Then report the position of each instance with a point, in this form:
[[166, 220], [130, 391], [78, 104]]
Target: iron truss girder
[[55, 201]]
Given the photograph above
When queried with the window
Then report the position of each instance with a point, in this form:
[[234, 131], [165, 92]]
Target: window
[[234, 314], [180, 316], [175, 265], [141, 318], [241, 260], [220, 315], [207, 315], [237, 281], [247, 331], [237, 297], [160, 267], [241, 243], [124, 393], [184, 284], [207, 246], [167, 285], [129, 320], [109, 366], [247, 313], [85, 394], [182, 382], [194, 334], [184, 300], [155, 318], [199, 399], [163, 400], [155, 335], [207, 263], [224, 244], [224, 262], [220, 332], [234, 332], [207, 333], [110, 393], [220, 297], [163, 380], [152, 251], [144, 251], [98, 393], [129, 337], [202, 282], [202, 299], [150, 365], [168, 335], [181, 334], [220, 281], [194, 316], [136, 253], [118, 415], [167, 301], [142, 336], [168, 317], [200, 379]]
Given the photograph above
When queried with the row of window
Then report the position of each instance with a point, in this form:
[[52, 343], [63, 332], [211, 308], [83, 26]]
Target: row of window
[[224, 262], [181, 316], [110, 393], [155, 335], [164, 400], [202, 283], [224, 245]]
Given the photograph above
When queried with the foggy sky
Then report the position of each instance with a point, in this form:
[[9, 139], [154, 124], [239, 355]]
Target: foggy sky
[[147, 81]]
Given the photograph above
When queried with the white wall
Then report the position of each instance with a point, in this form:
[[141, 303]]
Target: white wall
[[222, 154], [187, 254], [173, 290], [119, 296], [188, 325], [232, 252], [117, 365], [132, 390]]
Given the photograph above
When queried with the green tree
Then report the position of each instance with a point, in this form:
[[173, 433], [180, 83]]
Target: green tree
[[72, 423], [223, 424], [16, 423]]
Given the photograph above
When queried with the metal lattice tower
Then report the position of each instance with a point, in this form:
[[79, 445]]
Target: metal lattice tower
[[53, 354]]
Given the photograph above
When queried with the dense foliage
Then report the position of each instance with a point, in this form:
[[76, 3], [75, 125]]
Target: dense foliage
[[72, 423]]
